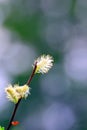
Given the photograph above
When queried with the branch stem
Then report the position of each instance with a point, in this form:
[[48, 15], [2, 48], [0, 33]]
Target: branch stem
[[13, 114], [16, 105], [29, 80]]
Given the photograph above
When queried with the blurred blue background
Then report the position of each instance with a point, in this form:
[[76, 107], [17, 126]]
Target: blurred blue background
[[29, 28]]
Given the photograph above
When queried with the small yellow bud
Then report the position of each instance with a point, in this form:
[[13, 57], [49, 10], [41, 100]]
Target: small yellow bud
[[22, 90], [11, 94], [16, 92], [44, 64]]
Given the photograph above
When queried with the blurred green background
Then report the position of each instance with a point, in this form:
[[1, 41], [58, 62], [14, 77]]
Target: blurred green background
[[28, 29]]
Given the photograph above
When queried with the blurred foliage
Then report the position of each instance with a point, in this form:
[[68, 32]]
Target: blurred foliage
[[1, 128], [26, 27]]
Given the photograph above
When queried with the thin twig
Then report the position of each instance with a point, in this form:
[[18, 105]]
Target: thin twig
[[13, 114], [29, 80], [16, 105]]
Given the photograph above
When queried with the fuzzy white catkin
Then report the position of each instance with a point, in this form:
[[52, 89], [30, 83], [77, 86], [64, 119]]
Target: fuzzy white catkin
[[44, 64]]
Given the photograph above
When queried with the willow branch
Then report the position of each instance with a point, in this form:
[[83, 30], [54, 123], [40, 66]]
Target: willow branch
[[16, 105]]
